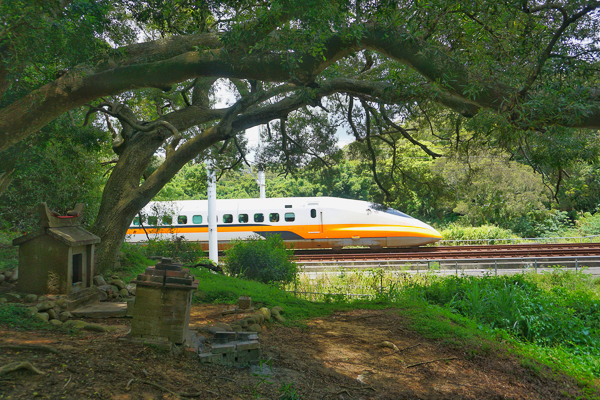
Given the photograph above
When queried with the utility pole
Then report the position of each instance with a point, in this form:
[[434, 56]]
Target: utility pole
[[261, 184], [213, 243]]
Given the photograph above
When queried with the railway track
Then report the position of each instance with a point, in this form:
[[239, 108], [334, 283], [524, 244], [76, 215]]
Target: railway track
[[453, 252]]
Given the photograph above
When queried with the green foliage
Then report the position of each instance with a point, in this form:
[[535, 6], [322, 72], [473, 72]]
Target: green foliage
[[264, 260], [560, 310], [59, 166], [175, 247], [16, 317], [9, 254], [132, 260], [477, 234]]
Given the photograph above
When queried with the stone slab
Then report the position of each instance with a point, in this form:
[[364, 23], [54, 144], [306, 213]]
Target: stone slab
[[102, 310]]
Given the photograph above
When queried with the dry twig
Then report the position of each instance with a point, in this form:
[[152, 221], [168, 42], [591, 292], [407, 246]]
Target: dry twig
[[431, 361]]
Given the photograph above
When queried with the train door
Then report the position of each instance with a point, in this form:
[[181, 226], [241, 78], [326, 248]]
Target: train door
[[316, 218]]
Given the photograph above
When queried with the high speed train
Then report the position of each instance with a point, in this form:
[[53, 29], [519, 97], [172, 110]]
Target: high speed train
[[308, 222]]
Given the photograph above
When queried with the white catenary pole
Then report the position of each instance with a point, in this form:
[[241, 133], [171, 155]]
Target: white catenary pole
[[213, 244], [261, 184]]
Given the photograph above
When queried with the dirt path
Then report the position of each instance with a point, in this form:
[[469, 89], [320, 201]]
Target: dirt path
[[334, 358]]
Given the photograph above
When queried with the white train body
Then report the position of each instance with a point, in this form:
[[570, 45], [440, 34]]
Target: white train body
[[309, 222]]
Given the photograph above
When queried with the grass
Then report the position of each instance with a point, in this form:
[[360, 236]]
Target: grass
[[9, 255], [550, 321], [19, 318]]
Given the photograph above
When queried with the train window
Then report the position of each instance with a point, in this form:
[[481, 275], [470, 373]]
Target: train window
[[182, 219], [290, 217], [243, 218], [274, 217], [227, 218], [152, 221], [259, 217], [136, 221], [288, 206], [167, 220], [313, 213], [197, 219]]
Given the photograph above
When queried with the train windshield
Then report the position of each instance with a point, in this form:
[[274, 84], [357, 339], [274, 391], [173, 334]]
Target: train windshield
[[398, 213]]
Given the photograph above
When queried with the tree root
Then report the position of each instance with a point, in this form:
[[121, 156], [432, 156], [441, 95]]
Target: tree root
[[431, 361], [29, 347], [19, 365]]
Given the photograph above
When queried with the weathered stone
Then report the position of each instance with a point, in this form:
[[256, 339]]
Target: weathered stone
[[118, 283], [249, 345], [243, 323], [113, 296], [56, 322], [124, 293], [64, 316], [3, 300], [266, 313], [14, 277], [223, 348], [247, 336], [278, 318], [214, 329], [41, 298], [42, 316], [45, 305], [130, 307], [226, 327], [103, 296], [12, 296], [236, 328], [32, 310], [2, 278], [77, 324], [99, 280], [224, 337], [30, 298], [250, 320], [255, 328], [131, 288], [258, 317], [62, 303], [277, 310], [84, 297], [51, 313], [102, 310], [94, 328]]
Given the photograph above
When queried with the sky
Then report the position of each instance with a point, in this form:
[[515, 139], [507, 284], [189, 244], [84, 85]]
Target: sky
[[225, 98]]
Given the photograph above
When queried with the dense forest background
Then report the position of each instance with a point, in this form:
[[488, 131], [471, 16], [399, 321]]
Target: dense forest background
[[469, 186]]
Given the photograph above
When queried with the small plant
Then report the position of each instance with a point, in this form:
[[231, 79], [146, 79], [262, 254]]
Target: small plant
[[288, 392], [264, 260]]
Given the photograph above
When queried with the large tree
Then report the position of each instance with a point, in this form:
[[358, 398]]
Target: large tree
[[506, 69]]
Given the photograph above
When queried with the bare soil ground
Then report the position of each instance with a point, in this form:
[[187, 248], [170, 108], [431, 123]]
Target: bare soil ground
[[334, 358]]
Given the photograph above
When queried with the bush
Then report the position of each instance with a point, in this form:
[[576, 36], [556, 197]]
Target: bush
[[477, 234], [264, 260], [175, 247]]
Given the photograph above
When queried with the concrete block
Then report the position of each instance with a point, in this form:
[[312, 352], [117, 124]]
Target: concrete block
[[247, 336], [223, 348], [247, 345], [224, 337]]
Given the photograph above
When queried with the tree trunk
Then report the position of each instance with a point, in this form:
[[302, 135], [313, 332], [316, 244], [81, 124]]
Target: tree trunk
[[122, 198]]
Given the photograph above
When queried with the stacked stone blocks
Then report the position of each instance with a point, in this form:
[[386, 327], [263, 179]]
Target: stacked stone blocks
[[163, 302], [233, 348]]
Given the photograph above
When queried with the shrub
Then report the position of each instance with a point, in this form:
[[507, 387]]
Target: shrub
[[264, 260], [477, 234], [175, 247]]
